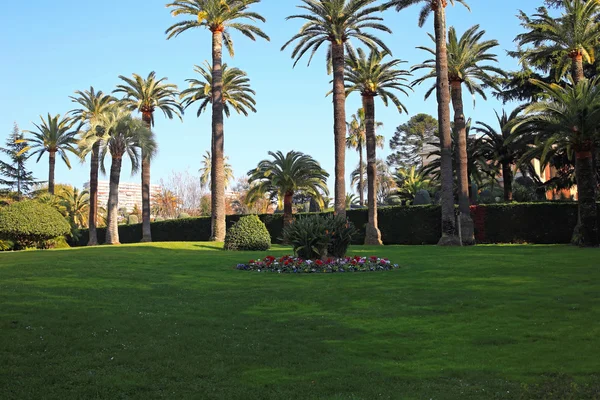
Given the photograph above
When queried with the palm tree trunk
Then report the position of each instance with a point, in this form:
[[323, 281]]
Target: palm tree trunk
[[51, 167], [507, 180], [146, 229], [586, 188], [112, 221], [449, 233], [577, 68], [218, 142], [465, 220], [287, 208], [93, 215], [339, 127], [373, 235], [361, 180]]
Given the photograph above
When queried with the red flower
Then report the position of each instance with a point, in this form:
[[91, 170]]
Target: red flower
[[319, 262]]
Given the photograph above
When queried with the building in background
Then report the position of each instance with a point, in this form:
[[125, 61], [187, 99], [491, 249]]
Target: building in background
[[130, 194]]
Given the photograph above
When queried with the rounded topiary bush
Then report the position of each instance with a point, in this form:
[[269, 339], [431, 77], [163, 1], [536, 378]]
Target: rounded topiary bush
[[133, 219], [32, 224], [249, 233], [183, 215]]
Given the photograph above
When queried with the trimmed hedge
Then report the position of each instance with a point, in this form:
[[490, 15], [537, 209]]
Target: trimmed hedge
[[540, 223]]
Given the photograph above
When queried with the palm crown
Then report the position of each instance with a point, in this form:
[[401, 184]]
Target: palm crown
[[292, 172], [555, 42], [336, 21], [93, 103], [217, 16], [147, 95], [357, 131], [465, 57], [370, 76], [207, 166], [53, 135], [237, 93]]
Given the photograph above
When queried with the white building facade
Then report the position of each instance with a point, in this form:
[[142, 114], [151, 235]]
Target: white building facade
[[130, 194]]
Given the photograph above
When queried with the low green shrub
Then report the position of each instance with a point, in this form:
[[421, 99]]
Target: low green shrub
[[183, 215], [133, 219], [318, 236], [30, 224], [6, 245], [249, 233]]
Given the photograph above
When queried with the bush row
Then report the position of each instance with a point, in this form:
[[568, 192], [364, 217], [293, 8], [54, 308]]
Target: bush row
[[543, 223]]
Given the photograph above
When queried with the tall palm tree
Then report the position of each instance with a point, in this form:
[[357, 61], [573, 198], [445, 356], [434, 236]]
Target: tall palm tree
[[54, 135], [237, 93], [286, 175], [385, 180], [147, 95], [568, 120], [465, 67], [562, 43], [336, 22], [496, 147], [372, 76], [124, 136], [218, 16], [438, 7], [356, 139], [92, 105], [206, 168]]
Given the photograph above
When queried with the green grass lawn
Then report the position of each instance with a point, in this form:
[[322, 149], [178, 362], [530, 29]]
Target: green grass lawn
[[176, 321]]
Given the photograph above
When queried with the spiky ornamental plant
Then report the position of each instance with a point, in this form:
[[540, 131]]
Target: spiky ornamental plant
[[438, 8], [219, 17], [336, 22], [468, 65], [54, 135], [372, 77], [92, 105], [146, 95]]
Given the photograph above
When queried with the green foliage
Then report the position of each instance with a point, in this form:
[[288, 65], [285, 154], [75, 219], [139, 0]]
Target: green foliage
[[249, 233], [6, 245], [523, 193], [318, 236], [133, 219], [31, 224], [183, 215]]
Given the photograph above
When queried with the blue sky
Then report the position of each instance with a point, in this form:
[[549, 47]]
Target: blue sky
[[51, 49]]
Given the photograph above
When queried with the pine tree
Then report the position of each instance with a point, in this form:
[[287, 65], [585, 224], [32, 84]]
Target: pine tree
[[14, 173], [410, 139]]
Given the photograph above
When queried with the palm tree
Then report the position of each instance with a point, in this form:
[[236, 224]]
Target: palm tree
[[356, 139], [568, 120], [336, 22], [206, 168], [53, 135], [465, 58], [128, 136], [372, 76], [165, 203], [76, 205], [286, 175], [496, 147], [438, 7], [564, 42], [385, 181], [93, 104], [219, 16], [410, 182], [145, 96], [237, 93], [351, 200]]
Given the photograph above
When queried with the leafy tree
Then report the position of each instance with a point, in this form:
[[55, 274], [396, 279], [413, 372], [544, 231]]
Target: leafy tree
[[468, 66], [237, 93], [409, 140], [165, 204], [286, 175], [220, 17], [568, 120], [53, 135], [438, 8], [206, 168], [372, 77], [146, 96], [335, 22], [93, 104], [124, 136], [357, 138], [14, 173]]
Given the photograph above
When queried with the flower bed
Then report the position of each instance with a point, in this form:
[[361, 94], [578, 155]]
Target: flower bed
[[296, 265]]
